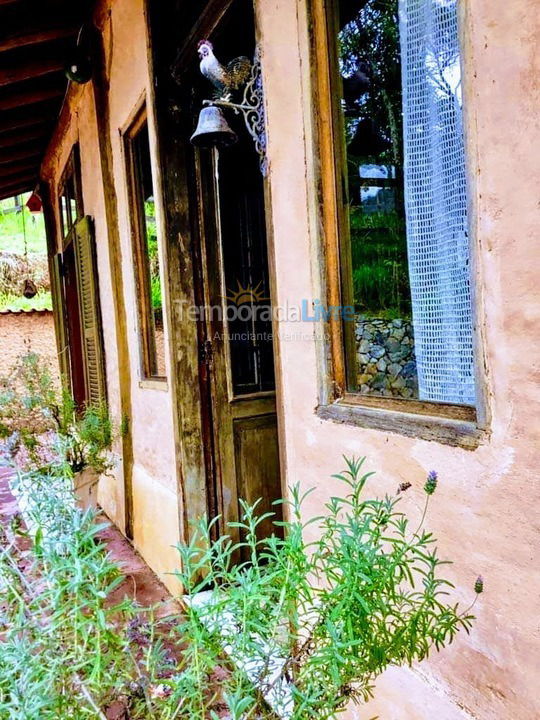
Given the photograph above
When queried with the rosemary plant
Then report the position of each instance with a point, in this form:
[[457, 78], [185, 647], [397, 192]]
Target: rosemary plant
[[296, 630], [312, 624]]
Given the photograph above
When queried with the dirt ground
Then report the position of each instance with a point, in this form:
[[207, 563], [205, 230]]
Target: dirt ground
[[23, 332]]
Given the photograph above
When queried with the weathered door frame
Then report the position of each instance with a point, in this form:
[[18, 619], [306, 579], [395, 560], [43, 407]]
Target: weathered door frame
[[190, 387]]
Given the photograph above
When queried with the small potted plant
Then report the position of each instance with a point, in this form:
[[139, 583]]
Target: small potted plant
[[41, 428]]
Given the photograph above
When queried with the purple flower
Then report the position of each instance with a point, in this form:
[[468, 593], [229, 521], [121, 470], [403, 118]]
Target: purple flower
[[479, 585], [431, 482]]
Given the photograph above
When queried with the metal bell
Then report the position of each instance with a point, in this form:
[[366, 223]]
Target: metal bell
[[213, 130]]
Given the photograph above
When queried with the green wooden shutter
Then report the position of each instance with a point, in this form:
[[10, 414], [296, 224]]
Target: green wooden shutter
[[92, 338], [62, 342]]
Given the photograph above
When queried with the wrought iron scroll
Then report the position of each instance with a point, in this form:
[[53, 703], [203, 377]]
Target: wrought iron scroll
[[255, 117], [253, 110]]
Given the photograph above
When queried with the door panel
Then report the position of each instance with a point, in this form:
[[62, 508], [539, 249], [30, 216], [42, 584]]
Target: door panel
[[215, 238], [239, 343], [73, 321], [257, 463]]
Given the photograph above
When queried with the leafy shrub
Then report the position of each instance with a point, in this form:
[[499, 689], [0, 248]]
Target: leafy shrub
[[305, 625], [314, 623], [61, 651], [36, 418]]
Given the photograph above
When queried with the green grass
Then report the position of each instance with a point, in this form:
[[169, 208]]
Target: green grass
[[42, 301], [12, 235], [379, 264], [14, 224]]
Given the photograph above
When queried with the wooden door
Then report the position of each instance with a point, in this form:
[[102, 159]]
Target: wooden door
[[237, 351], [73, 322], [224, 391]]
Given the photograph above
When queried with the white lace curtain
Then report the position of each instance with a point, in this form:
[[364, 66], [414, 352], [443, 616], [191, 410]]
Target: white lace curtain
[[435, 200]]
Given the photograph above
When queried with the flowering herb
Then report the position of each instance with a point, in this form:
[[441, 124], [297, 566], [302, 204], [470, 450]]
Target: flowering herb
[[431, 482]]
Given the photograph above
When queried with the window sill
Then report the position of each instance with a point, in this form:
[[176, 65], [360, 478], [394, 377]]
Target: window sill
[[447, 431], [155, 384]]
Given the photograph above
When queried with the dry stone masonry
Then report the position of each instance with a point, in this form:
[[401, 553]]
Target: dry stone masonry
[[386, 360]]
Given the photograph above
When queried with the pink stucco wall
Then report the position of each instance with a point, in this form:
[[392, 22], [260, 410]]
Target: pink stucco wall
[[155, 487]]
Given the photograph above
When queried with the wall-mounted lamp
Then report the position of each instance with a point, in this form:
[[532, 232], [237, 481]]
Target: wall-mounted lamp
[[213, 130], [78, 68]]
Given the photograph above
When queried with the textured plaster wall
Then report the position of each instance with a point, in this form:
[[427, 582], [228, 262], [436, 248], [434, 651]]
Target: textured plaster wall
[[28, 332], [484, 512], [155, 492]]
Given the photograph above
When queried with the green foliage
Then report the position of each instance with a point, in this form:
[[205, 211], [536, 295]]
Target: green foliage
[[156, 293], [15, 224], [369, 40], [379, 262], [73, 645], [373, 38], [61, 653], [38, 422], [335, 612], [156, 296], [12, 230], [42, 301]]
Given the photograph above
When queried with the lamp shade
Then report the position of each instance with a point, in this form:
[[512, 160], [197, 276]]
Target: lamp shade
[[34, 204]]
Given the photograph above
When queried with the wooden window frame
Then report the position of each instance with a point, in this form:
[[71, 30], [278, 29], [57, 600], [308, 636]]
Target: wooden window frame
[[72, 170], [445, 422], [148, 353]]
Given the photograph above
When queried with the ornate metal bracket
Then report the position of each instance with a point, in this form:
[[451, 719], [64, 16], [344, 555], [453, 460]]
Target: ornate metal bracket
[[252, 108]]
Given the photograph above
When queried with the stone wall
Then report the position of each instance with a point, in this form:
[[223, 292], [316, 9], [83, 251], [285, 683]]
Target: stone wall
[[386, 361], [22, 332]]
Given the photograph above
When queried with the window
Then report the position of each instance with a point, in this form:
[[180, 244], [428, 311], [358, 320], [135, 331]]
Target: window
[[395, 207], [70, 195], [145, 248]]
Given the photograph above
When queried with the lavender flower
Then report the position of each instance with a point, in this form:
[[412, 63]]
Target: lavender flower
[[479, 585], [431, 482]]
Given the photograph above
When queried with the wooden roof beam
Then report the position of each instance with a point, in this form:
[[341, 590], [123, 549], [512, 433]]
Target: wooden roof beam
[[30, 97], [35, 36], [15, 170], [16, 189], [28, 71], [38, 132], [20, 118], [22, 179], [12, 155]]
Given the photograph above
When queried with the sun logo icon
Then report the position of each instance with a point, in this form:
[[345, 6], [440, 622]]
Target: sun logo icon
[[246, 295]]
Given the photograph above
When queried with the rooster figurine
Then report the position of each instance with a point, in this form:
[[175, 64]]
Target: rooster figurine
[[225, 78]]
